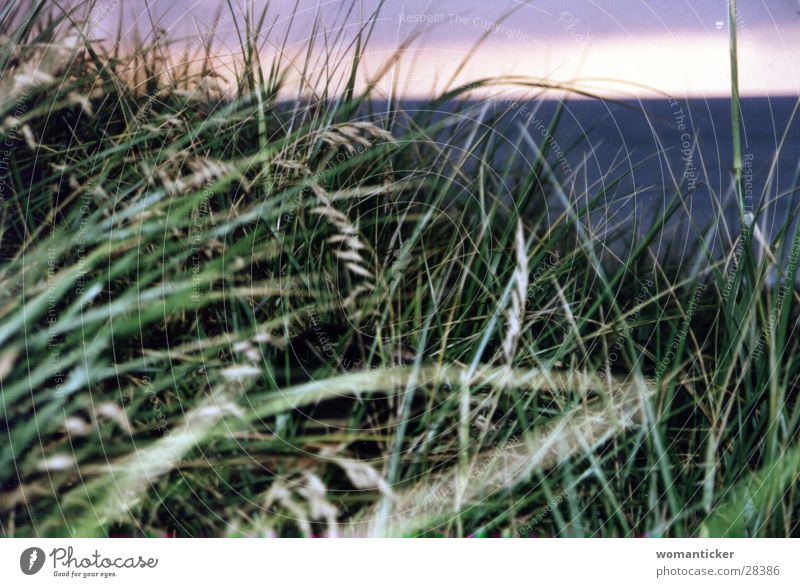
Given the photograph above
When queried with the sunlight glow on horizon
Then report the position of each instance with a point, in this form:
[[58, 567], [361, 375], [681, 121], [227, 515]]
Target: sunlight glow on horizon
[[690, 61], [687, 66]]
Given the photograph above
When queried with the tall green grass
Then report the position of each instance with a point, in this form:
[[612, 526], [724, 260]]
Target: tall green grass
[[163, 241]]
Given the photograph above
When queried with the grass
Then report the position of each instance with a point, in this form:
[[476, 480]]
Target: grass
[[166, 239]]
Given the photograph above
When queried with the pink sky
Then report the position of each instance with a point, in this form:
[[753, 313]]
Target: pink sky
[[678, 47]]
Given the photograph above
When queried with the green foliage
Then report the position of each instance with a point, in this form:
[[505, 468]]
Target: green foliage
[[166, 241]]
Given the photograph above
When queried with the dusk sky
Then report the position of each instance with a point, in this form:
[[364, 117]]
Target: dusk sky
[[622, 47]]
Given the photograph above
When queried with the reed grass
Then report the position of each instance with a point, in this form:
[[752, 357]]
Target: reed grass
[[166, 239]]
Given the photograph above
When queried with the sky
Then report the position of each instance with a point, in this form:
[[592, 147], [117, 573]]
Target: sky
[[637, 48]]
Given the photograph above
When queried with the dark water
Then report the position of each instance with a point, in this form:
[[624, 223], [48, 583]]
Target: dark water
[[661, 143], [640, 154], [672, 146]]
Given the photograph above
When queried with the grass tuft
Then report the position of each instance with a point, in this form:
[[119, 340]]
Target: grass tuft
[[278, 303]]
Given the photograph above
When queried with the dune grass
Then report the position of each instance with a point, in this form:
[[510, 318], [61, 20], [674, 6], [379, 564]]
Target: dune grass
[[165, 236]]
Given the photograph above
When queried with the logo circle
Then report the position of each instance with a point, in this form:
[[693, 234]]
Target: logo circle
[[31, 560]]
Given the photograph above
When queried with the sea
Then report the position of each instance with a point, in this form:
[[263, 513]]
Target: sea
[[637, 156]]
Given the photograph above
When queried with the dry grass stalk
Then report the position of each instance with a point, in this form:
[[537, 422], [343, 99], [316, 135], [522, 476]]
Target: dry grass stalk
[[580, 431], [519, 296], [38, 67], [351, 135], [102, 502], [348, 246]]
